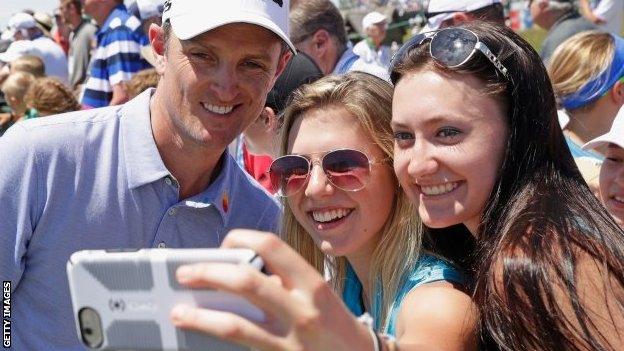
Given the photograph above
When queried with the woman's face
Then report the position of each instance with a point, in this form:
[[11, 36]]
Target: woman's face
[[612, 182], [449, 143], [341, 223]]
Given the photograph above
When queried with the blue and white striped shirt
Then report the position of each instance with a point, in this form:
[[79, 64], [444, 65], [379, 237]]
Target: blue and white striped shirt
[[117, 57]]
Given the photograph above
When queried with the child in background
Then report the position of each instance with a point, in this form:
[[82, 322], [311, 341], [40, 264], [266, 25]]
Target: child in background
[[48, 96], [29, 64], [612, 170], [14, 89]]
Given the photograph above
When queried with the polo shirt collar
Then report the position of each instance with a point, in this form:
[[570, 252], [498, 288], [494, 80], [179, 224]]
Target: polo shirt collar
[[219, 192], [143, 162]]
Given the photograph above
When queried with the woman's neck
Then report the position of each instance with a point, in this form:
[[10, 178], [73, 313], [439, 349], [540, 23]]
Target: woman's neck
[[587, 125]]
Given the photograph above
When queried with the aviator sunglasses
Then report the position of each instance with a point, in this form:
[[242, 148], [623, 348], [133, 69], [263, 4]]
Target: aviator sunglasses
[[346, 169], [450, 47]]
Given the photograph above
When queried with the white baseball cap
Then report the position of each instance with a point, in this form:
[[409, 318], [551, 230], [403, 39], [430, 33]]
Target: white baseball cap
[[372, 18], [20, 21], [445, 9], [613, 136], [16, 50], [150, 8], [190, 18]]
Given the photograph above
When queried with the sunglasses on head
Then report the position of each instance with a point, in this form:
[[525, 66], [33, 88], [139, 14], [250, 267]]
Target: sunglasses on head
[[346, 169], [450, 47]]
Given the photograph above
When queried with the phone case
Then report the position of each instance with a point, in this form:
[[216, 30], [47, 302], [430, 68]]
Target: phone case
[[132, 293]]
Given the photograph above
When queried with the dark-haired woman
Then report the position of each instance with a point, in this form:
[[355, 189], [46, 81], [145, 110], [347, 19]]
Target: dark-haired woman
[[478, 147]]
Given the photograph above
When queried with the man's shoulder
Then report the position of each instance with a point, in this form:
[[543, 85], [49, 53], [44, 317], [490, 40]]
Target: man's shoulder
[[67, 128], [571, 26]]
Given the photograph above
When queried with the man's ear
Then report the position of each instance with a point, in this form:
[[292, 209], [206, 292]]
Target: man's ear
[[270, 120], [617, 93], [157, 40], [321, 39]]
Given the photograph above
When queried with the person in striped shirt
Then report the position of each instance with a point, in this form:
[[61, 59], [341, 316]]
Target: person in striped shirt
[[117, 56]]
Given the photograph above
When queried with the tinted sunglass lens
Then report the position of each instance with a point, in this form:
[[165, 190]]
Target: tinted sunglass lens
[[288, 174], [347, 169], [453, 46]]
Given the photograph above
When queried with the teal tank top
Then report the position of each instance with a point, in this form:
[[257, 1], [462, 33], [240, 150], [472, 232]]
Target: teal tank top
[[427, 269]]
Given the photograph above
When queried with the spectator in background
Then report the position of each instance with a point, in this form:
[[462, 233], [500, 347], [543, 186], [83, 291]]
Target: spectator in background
[[612, 169], [118, 54], [586, 72], [445, 13], [318, 30], [606, 14], [61, 31], [26, 63], [30, 39], [148, 11], [371, 49], [14, 89], [29, 63], [257, 146], [48, 96], [561, 19], [147, 78], [82, 38]]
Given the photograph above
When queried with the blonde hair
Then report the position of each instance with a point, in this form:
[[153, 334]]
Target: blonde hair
[[580, 59], [144, 79], [29, 63], [368, 99], [49, 97], [17, 84]]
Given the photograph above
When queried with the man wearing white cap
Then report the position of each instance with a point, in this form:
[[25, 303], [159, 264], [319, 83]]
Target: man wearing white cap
[[371, 48], [445, 13], [30, 39], [318, 30], [611, 179], [152, 172]]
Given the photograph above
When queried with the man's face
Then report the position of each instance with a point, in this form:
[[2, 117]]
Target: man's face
[[377, 32], [216, 84], [537, 10], [65, 10]]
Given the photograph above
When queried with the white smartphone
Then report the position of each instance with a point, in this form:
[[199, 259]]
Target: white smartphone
[[122, 299]]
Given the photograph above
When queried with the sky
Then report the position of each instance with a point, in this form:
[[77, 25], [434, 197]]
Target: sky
[[9, 7]]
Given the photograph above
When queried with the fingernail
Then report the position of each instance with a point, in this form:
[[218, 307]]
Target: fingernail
[[183, 273], [179, 313]]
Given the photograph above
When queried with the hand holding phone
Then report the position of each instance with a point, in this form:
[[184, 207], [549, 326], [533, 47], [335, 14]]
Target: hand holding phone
[[122, 299]]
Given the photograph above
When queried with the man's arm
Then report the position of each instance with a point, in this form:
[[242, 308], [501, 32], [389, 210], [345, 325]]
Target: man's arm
[[120, 94], [19, 212]]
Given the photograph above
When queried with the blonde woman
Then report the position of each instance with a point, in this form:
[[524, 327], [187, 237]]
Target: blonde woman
[[343, 210], [586, 72]]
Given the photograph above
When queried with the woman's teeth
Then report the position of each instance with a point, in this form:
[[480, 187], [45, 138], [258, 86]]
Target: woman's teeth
[[619, 199], [221, 110], [327, 216], [439, 189]]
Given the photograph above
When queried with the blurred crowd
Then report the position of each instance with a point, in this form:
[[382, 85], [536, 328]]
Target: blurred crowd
[[547, 188]]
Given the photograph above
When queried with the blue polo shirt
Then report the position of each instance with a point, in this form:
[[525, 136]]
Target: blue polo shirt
[[94, 180]]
